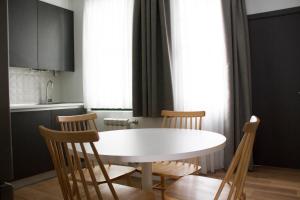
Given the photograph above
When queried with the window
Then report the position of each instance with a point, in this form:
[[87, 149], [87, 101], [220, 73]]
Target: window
[[107, 53], [200, 68]]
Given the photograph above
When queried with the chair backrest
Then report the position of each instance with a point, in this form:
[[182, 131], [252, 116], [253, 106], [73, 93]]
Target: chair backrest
[[78, 122], [187, 120], [60, 145], [237, 171]]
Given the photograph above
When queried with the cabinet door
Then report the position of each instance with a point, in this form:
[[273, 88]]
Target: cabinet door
[[68, 38], [64, 112], [23, 33], [55, 38], [30, 153], [50, 40]]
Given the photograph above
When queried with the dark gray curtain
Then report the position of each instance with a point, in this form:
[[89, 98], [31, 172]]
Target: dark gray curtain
[[237, 38], [151, 70]]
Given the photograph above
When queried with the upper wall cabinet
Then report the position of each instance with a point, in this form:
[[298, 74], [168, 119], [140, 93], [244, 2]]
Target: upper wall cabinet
[[41, 36], [55, 38], [23, 33]]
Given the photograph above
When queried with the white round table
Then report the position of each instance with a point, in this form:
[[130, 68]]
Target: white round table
[[156, 144]]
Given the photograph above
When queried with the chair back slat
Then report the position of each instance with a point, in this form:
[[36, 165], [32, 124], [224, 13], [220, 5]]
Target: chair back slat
[[183, 120], [72, 169], [79, 169], [237, 171], [186, 123], [64, 171], [68, 150], [53, 152]]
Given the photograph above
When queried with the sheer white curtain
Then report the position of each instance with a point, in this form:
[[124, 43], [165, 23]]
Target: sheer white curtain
[[200, 69], [107, 47]]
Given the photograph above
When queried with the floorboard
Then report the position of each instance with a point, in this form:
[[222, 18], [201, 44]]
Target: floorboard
[[265, 183]]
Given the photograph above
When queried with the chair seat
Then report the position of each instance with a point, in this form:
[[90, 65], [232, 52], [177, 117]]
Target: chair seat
[[114, 172], [196, 188], [123, 192], [173, 169]]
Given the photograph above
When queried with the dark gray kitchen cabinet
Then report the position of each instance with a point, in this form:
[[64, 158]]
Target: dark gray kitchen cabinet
[[30, 153], [23, 33], [55, 38], [68, 40]]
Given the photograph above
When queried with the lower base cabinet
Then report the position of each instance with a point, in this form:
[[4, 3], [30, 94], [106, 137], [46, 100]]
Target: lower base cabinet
[[30, 153]]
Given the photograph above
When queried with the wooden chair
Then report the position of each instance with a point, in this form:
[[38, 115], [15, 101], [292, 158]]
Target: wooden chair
[[60, 144], [87, 122], [231, 187], [177, 169], [187, 120]]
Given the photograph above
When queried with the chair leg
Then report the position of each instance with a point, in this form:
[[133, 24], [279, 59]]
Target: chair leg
[[243, 196], [128, 180], [73, 189], [161, 186]]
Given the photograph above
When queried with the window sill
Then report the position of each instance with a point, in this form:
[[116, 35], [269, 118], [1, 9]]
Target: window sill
[[111, 109]]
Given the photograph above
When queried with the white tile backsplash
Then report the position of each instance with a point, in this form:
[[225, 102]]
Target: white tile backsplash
[[29, 86]]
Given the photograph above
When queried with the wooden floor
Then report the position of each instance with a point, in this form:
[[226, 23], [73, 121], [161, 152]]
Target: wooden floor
[[266, 183]]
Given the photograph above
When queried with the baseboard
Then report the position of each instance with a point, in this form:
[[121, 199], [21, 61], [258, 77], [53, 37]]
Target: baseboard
[[6, 191], [33, 179]]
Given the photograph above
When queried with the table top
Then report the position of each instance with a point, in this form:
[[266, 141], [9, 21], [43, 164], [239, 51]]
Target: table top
[[157, 144]]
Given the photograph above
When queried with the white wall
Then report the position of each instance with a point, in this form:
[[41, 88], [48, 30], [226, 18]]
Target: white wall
[[72, 83], [259, 6]]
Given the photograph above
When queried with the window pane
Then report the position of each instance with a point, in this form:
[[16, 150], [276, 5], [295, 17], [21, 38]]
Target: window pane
[[107, 51]]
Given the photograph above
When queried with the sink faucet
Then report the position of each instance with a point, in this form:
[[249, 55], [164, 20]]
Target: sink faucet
[[49, 83]]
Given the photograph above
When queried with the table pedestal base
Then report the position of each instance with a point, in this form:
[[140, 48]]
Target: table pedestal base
[[147, 176]]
